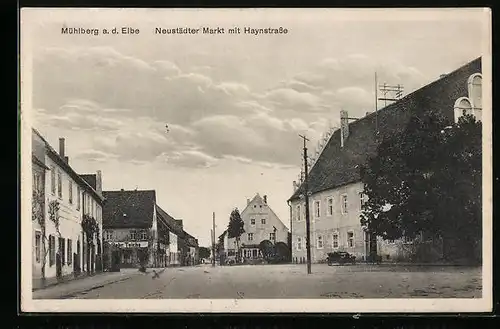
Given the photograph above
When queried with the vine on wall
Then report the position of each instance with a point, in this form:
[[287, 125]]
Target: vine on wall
[[54, 207]]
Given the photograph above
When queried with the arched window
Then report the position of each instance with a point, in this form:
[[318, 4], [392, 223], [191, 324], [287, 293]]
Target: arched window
[[474, 85], [462, 106]]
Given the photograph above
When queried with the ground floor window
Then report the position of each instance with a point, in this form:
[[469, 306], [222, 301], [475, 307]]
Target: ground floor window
[[62, 250], [350, 239], [335, 240], [320, 242], [255, 253], [70, 251], [52, 250], [38, 239]]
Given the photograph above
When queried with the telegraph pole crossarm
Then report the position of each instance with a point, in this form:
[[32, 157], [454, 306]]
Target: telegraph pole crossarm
[[306, 196]]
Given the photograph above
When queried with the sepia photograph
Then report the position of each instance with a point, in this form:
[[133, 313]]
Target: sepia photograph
[[256, 160]]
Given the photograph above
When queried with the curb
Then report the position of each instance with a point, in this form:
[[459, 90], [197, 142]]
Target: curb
[[93, 287]]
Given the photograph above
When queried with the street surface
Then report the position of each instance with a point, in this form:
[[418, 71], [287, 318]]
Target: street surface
[[291, 281]]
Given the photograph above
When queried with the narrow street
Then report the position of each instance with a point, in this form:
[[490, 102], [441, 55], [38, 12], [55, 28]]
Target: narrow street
[[291, 281]]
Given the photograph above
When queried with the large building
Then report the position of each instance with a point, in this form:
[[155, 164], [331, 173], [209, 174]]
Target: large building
[[67, 215], [335, 187], [260, 224]]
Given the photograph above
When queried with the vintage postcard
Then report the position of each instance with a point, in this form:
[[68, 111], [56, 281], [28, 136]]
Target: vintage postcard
[[256, 160]]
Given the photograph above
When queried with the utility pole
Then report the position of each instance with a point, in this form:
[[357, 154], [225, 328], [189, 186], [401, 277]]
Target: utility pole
[[213, 239], [306, 196]]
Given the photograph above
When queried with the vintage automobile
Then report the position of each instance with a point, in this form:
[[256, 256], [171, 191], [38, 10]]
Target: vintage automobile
[[340, 257]]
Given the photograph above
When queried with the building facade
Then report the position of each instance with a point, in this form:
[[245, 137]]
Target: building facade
[[260, 224], [334, 183], [131, 226], [63, 202], [142, 232]]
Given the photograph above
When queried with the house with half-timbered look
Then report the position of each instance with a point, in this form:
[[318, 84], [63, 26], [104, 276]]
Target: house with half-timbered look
[[67, 215], [335, 187]]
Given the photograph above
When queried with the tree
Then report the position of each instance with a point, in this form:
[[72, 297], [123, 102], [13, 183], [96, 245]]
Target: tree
[[427, 178], [235, 229], [267, 249], [204, 252], [90, 227]]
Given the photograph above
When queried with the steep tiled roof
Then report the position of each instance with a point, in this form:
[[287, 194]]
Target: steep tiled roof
[[169, 221], [129, 209], [90, 179], [339, 166]]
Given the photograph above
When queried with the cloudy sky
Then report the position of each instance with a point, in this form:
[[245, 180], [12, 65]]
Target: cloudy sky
[[234, 104]]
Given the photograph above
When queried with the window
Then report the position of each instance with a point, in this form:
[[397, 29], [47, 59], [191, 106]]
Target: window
[[317, 208], [263, 221], [78, 198], [298, 213], [132, 235], [109, 235], [37, 181], [254, 253], [70, 189], [299, 243], [70, 251], [38, 240], [475, 90], [407, 239], [144, 235], [59, 184], [335, 240], [463, 106], [53, 179], [252, 221], [250, 236], [350, 239], [390, 241], [361, 200], [62, 250], [344, 204], [319, 241], [330, 206], [272, 236], [52, 250]]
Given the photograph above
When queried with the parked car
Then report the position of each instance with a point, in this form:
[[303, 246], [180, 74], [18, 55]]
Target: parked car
[[340, 257]]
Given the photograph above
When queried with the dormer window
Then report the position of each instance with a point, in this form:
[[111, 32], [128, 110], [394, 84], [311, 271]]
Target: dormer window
[[472, 104]]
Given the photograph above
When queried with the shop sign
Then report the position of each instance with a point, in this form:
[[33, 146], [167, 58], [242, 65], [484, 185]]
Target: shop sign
[[135, 244]]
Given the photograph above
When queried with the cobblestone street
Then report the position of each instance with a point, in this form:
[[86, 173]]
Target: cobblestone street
[[291, 281]]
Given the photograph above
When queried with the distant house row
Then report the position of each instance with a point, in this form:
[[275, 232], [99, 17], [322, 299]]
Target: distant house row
[[76, 224], [335, 186]]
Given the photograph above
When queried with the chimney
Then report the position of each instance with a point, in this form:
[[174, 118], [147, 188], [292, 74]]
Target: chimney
[[66, 159], [295, 186], [344, 127], [368, 113], [61, 148], [122, 190], [265, 199], [443, 75], [248, 202], [98, 182]]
